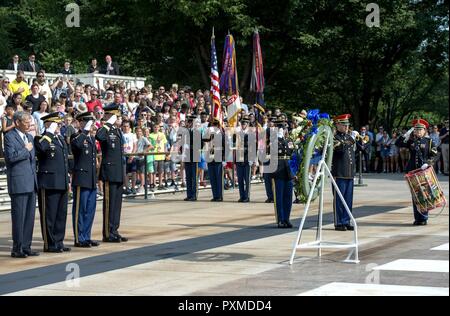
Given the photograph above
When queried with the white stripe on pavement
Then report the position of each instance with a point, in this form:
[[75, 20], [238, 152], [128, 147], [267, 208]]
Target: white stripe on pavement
[[355, 289], [443, 247], [415, 265]]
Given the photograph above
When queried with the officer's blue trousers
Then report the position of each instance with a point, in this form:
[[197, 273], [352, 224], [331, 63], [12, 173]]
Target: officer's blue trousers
[[243, 173], [283, 198], [83, 213], [419, 217], [215, 171], [191, 179], [268, 185], [341, 216]]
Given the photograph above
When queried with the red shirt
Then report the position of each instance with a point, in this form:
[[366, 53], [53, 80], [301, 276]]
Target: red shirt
[[92, 104]]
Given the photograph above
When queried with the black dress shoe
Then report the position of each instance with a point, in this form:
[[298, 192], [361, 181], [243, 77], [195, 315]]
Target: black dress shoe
[[420, 223], [112, 240], [94, 243], [123, 239], [288, 224], [18, 255], [246, 201], [350, 227], [187, 199], [213, 200], [268, 201], [219, 200], [53, 250], [340, 228], [282, 225], [82, 245], [240, 201], [296, 201], [66, 249], [30, 253]]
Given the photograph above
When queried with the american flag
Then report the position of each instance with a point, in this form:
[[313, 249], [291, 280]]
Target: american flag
[[215, 87]]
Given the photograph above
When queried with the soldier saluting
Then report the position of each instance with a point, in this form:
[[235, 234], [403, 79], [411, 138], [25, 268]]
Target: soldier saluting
[[111, 173], [343, 172], [84, 181], [282, 178], [53, 183]]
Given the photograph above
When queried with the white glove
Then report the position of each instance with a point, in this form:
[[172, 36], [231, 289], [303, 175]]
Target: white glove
[[424, 166], [354, 134], [88, 126], [112, 120], [280, 133], [52, 128], [408, 134]]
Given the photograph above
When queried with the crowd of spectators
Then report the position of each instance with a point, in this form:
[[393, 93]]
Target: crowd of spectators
[[152, 117]]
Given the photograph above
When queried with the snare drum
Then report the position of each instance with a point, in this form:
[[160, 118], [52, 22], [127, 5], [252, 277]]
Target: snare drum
[[425, 189]]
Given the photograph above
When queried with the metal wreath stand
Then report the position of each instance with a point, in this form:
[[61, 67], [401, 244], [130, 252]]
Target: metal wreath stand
[[322, 171]]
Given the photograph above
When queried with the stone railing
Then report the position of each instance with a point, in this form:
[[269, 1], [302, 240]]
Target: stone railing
[[94, 79]]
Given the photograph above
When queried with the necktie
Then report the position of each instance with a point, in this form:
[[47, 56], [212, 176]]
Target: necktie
[[25, 140]]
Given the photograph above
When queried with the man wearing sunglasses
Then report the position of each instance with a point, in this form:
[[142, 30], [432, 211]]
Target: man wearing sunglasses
[[94, 102], [19, 85]]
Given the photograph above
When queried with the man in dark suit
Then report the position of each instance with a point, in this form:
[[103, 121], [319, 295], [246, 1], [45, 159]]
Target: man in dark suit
[[111, 173], [22, 184], [31, 65], [14, 64], [53, 182], [84, 181], [111, 68]]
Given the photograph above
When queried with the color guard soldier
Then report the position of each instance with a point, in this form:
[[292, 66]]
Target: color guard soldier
[[111, 173], [267, 176], [216, 140], [191, 158], [423, 153], [84, 181], [53, 183], [282, 178], [343, 171], [243, 165]]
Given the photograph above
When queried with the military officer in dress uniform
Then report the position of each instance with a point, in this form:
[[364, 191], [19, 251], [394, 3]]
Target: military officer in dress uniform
[[216, 139], [282, 178], [111, 173], [192, 139], [423, 154], [343, 171], [243, 165], [53, 183], [267, 176], [84, 181]]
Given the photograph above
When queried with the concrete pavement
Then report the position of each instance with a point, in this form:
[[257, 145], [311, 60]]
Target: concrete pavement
[[203, 248]]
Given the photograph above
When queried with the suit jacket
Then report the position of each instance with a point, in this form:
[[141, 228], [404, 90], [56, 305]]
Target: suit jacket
[[11, 67], [20, 164], [114, 72], [26, 66], [53, 166], [84, 150]]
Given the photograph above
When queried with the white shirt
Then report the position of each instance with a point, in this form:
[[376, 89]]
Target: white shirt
[[22, 136]]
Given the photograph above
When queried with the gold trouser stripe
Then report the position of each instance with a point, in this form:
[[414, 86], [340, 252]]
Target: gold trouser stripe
[[106, 219], [249, 183], [222, 179], [196, 180], [334, 206], [77, 214], [275, 199], [43, 220]]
